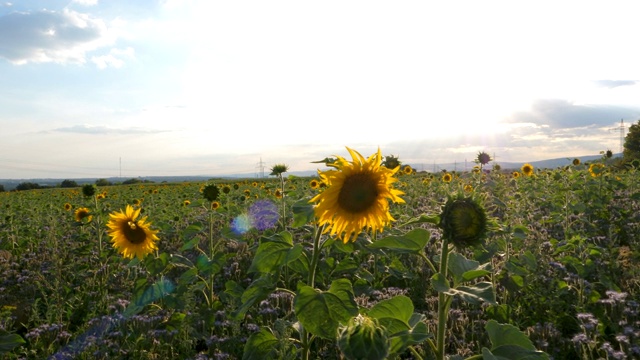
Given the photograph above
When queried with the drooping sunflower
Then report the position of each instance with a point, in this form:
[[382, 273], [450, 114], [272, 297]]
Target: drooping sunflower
[[129, 236], [527, 169], [82, 214], [356, 196]]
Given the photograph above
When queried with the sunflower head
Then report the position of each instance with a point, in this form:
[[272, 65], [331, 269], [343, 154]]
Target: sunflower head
[[226, 189], [67, 206], [357, 196], [278, 169], [391, 162], [211, 192], [463, 221], [363, 338], [407, 170], [483, 158], [89, 190], [314, 184], [82, 215], [131, 236], [527, 169], [447, 177], [576, 162], [608, 154], [596, 169]]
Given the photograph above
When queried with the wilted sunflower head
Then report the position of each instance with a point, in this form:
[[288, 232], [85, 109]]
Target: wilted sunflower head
[[463, 221], [89, 190], [608, 154], [483, 158], [576, 162], [211, 192], [356, 196], [527, 169], [278, 169], [131, 236]]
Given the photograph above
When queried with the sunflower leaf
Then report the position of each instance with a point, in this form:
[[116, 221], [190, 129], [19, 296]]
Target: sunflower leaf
[[412, 242]]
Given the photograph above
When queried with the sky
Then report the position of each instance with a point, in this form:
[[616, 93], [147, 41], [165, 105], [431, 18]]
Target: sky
[[97, 88]]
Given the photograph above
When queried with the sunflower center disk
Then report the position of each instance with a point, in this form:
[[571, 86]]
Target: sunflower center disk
[[358, 193], [134, 234]]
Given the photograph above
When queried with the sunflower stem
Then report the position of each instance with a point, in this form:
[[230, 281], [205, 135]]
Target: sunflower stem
[[443, 302], [306, 342]]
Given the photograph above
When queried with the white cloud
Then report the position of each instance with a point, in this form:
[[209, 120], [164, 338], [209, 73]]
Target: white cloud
[[115, 58], [50, 36]]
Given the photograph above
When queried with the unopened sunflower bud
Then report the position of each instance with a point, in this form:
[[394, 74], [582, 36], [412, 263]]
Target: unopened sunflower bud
[[463, 221], [363, 338]]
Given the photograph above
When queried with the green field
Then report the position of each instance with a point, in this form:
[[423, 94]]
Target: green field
[[248, 273]]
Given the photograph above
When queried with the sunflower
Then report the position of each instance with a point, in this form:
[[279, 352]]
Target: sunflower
[[211, 192], [130, 236], [447, 177], [596, 169], [576, 162], [314, 184], [356, 196], [278, 194], [226, 189], [186, 203], [215, 205], [463, 221], [468, 188], [527, 169], [515, 174], [67, 206], [81, 214], [407, 170]]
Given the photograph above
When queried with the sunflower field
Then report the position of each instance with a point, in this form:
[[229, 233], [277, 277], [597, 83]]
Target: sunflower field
[[364, 261]]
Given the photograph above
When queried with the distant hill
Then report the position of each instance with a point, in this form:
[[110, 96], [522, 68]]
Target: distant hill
[[541, 164], [10, 184]]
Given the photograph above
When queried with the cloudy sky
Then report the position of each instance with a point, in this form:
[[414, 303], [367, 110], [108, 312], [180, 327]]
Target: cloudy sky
[[96, 88]]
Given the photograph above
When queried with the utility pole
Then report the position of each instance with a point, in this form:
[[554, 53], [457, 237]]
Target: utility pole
[[260, 167], [621, 130]]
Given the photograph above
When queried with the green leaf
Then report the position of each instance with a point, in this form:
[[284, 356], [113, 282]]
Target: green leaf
[[434, 219], [261, 345], [507, 335], [398, 307], [463, 269], [9, 341], [190, 231], [520, 232], [257, 291], [514, 352], [440, 283], [412, 242], [303, 213], [475, 294], [321, 313], [270, 256]]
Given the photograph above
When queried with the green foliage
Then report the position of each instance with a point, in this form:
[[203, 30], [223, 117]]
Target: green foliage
[[632, 143]]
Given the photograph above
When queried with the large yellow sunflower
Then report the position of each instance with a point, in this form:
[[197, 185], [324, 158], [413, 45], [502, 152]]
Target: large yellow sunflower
[[130, 236], [356, 196]]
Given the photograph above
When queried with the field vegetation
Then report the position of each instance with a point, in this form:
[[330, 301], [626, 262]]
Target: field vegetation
[[487, 264]]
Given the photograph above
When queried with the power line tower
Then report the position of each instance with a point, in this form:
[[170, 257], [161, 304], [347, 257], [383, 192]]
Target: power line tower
[[260, 166], [621, 130]]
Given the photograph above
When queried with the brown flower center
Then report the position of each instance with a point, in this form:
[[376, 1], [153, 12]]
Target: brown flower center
[[358, 193], [134, 234]]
